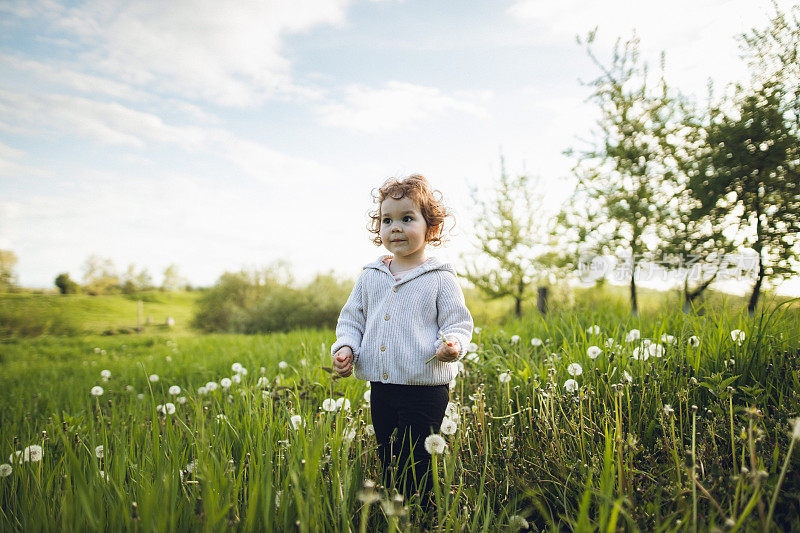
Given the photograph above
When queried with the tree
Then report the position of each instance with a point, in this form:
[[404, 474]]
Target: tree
[[624, 188], [755, 159], [8, 279], [66, 285], [100, 276], [513, 239], [133, 281], [173, 281]]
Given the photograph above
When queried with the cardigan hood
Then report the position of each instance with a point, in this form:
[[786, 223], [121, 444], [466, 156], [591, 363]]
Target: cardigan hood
[[430, 265]]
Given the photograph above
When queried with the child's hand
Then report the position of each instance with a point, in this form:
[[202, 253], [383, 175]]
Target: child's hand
[[448, 351], [343, 361]]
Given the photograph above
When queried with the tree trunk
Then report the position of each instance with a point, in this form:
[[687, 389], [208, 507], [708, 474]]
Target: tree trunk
[[541, 300], [751, 305], [518, 307], [690, 296]]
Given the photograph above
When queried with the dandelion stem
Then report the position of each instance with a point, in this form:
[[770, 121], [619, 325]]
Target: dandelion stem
[[774, 499], [694, 473]]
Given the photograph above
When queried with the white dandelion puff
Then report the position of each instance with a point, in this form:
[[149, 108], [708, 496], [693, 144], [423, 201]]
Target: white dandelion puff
[[669, 339], [5, 470], [181, 399], [153, 378], [348, 435], [656, 350], [471, 357], [477, 330], [593, 352], [15, 457], [236, 367], [297, 421], [97, 390], [367, 396], [514, 339], [343, 403], [668, 410], [536, 341], [571, 385], [575, 369], [103, 475], [694, 341], [632, 335], [202, 391], [435, 444], [369, 429], [609, 343], [105, 374], [627, 377], [505, 377], [99, 452], [738, 336], [225, 383], [329, 405], [472, 347], [796, 429], [32, 453], [449, 426], [174, 390], [262, 382], [221, 418], [211, 386], [593, 330], [283, 365], [236, 378]]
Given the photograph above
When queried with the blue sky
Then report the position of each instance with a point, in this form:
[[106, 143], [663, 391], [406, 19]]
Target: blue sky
[[220, 135]]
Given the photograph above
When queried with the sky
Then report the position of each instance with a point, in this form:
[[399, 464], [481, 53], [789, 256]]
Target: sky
[[220, 135]]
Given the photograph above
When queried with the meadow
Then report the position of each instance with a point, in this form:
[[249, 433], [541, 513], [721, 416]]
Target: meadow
[[586, 419]]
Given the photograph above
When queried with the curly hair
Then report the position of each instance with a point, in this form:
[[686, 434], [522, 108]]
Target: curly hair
[[429, 201]]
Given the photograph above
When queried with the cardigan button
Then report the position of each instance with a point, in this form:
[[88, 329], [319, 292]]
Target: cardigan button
[[394, 289], [386, 317], [385, 375], [383, 348]]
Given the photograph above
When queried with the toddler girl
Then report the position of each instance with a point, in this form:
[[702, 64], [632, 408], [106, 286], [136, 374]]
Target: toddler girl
[[390, 330]]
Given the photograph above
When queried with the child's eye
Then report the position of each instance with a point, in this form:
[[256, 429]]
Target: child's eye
[[387, 220], [408, 218]]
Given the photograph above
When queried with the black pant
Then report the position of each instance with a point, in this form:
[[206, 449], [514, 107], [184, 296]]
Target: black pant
[[403, 416]]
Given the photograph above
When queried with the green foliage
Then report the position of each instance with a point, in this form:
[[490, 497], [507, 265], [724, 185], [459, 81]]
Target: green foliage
[[100, 276], [260, 301], [8, 279], [135, 282], [513, 240], [66, 285]]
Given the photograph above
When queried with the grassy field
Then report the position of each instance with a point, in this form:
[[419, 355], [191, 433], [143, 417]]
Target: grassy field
[[652, 433]]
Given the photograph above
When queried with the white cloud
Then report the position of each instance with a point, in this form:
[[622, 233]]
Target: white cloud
[[228, 53], [397, 105]]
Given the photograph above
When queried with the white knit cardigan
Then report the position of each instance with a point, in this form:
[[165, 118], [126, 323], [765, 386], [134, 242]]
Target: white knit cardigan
[[393, 326]]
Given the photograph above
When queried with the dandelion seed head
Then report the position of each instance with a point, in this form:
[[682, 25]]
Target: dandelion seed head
[[514, 339], [609, 342], [174, 390], [448, 426], [297, 421], [656, 350], [181, 399], [369, 429], [593, 352], [236, 378], [668, 410], [536, 341], [575, 369], [15, 457], [5, 470], [211, 386], [571, 385], [225, 383], [262, 382], [99, 452], [738, 336], [343, 403], [477, 330], [471, 357], [329, 405], [504, 377], [796, 429], [627, 377], [348, 435], [97, 390], [153, 378], [32, 453], [669, 339], [236, 367], [516, 522], [593, 330], [694, 341], [283, 365], [105, 374], [435, 444], [472, 347], [632, 335], [367, 395]]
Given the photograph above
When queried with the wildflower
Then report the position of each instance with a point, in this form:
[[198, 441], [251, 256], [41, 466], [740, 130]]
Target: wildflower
[[32, 453], [505, 377], [593, 330], [105, 374], [99, 452], [472, 347], [796, 429], [242, 371], [477, 330], [639, 353], [140, 396], [221, 418], [97, 390], [571, 385], [656, 350], [181, 400], [694, 341], [449, 426], [263, 370], [5, 470], [575, 369], [15, 457], [236, 367], [593, 352], [343, 403], [264, 394], [627, 377], [283, 365], [169, 359], [174, 390], [236, 378], [367, 395], [471, 357], [668, 410], [329, 404], [738, 336], [453, 384], [451, 409], [304, 362], [514, 339], [516, 522], [225, 383], [609, 343], [262, 382], [369, 495], [103, 475], [666, 337], [536, 341], [211, 386], [97, 350], [202, 390], [297, 421], [153, 378], [192, 466], [129, 388], [166, 409], [369, 429], [435, 444], [632, 335]]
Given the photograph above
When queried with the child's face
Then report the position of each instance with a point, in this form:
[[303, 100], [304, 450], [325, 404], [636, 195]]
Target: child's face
[[403, 228]]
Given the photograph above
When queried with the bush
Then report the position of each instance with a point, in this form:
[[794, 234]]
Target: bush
[[261, 302], [66, 285], [31, 316]]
